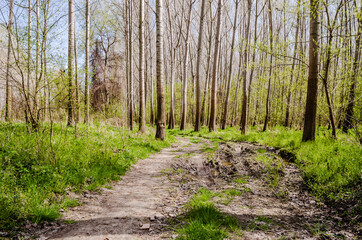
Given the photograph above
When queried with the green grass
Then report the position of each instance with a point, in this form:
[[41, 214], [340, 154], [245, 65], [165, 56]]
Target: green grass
[[38, 170], [204, 220], [331, 168]]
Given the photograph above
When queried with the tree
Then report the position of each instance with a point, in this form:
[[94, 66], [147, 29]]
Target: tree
[[267, 104], [226, 103], [212, 121], [289, 97], [347, 124], [184, 75], [198, 64], [140, 67], [70, 62], [8, 92], [244, 108], [312, 91], [86, 96], [161, 118]]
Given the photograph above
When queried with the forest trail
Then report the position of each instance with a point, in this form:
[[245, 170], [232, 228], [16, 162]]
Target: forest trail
[[273, 202]]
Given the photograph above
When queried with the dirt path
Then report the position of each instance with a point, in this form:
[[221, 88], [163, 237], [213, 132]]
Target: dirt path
[[135, 208], [154, 190]]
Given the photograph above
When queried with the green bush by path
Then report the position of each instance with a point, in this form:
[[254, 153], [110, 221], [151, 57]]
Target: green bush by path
[[37, 169], [331, 168]]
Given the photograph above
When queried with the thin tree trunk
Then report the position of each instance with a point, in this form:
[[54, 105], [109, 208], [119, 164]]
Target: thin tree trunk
[[161, 118], [267, 104], [141, 70], [130, 68], [8, 92], [70, 63], [244, 109], [86, 97], [27, 92], [347, 124], [289, 97], [226, 103], [198, 64], [212, 121], [77, 94], [184, 75]]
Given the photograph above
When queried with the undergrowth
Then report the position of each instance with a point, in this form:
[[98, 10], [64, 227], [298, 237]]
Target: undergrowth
[[331, 168], [37, 169]]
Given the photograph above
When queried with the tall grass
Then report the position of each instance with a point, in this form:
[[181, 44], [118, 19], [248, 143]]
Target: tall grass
[[37, 169]]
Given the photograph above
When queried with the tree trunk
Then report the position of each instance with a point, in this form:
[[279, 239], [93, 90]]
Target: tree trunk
[[141, 66], [70, 63], [77, 91], [244, 109], [289, 97], [130, 68], [86, 97], [161, 118], [184, 75], [226, 103], [312, 91], [212, 121], [347, 124], [267, 104], [8, 92], [198, 64]]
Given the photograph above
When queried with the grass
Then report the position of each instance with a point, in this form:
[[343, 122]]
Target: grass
[[38, 170], [331, 168], [204, 220]]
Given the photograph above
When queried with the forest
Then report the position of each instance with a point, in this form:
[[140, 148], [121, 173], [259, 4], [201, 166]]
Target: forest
[[180, 119]]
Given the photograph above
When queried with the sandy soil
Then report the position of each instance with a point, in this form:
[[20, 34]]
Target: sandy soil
[[154, 190]]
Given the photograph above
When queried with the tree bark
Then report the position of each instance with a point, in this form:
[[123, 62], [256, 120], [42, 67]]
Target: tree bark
[[226, 103], [142, 119], [244, 108], [70, 63], [86, 97], [184, 75], [8, 92], [161, 118], [267, 104], [198, 64], [312, 91], [130, 66], [212, 121]]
